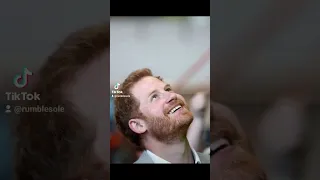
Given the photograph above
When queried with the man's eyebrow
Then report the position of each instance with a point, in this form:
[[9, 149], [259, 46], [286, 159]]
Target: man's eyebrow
[[165, 87], [152, 92]]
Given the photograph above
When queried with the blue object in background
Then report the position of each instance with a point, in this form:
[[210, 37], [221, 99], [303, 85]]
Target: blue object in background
[[112, 121]]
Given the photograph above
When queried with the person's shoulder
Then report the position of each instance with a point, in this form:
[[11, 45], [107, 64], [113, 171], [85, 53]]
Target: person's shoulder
[[136, 162], [205, 158], [139, 161], [144, 159]]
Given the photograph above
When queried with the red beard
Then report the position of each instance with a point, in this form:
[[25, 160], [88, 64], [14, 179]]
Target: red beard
[[167, 129]]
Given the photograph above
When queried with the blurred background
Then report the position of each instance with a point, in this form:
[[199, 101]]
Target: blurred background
[[265, 66], [30, 32], [176, 48], [266, 69]]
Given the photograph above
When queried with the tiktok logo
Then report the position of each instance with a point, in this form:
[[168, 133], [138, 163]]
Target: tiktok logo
[[117, 86], [21, 81]]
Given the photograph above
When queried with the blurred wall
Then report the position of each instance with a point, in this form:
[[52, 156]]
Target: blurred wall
[[31, 30], [167, 46], [261, 48], [305, 165]]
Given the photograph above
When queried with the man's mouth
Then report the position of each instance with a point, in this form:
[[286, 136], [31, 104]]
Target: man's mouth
[[175, 109], [218, 146]]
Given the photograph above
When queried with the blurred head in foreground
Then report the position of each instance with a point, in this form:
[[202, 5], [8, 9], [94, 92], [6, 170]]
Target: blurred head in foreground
[[60, 145], [232, 157], [152, 111]]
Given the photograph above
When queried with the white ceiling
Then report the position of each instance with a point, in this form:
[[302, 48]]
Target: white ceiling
[[167, 46]]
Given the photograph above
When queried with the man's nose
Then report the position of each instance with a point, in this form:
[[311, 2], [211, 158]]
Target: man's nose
[[171, 97]]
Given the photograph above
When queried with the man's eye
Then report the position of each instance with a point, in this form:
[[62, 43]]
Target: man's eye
[[154, 96], [168, 89]]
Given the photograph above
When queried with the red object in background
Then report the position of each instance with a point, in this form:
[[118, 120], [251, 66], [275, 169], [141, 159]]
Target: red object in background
[[186, 76], [115, 140]]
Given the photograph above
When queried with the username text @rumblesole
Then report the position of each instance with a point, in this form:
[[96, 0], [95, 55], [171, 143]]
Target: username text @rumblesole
[[34, 109]]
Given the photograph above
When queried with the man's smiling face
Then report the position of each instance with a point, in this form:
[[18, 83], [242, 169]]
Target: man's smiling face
[[166, 113]]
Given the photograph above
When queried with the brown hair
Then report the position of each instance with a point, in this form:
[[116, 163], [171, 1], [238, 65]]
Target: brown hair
[[56, 145], [128, 108]]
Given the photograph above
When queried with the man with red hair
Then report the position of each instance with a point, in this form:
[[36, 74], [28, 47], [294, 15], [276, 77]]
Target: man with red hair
[[155, 118]]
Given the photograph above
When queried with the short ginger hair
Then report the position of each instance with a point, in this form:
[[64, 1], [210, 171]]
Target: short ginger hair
[[127, 108]]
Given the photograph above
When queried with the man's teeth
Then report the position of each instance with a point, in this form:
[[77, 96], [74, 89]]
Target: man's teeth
[[175, 109]]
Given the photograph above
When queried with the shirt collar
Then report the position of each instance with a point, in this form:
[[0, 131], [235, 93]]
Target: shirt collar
[[196, 157], [158, 160]]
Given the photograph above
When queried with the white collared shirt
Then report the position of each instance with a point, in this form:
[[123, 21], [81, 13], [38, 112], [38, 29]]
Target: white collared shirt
[[158, 160]]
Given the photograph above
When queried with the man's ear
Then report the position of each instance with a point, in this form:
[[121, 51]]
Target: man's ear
[[138, 126]]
